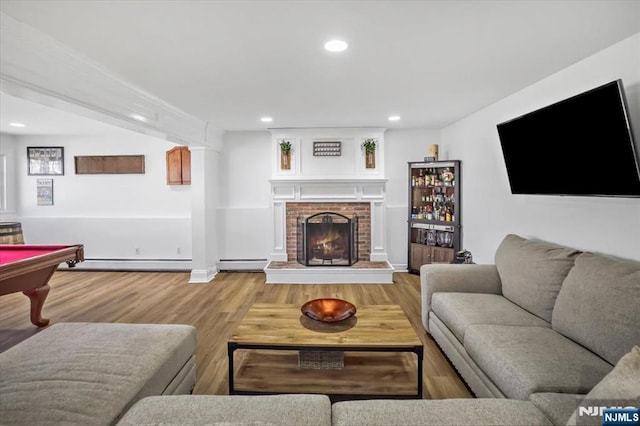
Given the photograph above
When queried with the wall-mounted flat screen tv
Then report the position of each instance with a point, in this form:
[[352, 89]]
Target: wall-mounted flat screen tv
[[580, 146]]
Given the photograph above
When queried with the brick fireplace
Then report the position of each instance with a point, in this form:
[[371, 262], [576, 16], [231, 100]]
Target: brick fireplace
[[342, 184], [365, 198], [362, 210]]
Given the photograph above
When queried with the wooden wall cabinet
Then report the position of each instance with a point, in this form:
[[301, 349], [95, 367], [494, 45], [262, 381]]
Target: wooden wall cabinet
[[179, 166], [434, 213]]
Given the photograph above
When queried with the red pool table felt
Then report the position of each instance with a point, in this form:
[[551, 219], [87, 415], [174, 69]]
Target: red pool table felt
[[28, 268], [13, 252]]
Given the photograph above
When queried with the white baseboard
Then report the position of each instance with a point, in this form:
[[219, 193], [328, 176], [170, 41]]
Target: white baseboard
[[378, 257], [329, 275], [202, 276], [242, 264], [131, 265], [400, 267]]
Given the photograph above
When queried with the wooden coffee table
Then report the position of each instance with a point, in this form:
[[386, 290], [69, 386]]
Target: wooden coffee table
[[374, 328]]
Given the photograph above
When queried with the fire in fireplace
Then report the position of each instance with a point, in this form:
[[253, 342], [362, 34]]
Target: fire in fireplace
[[327, 239]]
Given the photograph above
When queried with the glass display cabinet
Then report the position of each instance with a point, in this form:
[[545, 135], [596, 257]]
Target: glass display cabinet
[[434, 213]]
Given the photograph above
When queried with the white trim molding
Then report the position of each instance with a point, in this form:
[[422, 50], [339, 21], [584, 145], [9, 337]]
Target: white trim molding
[[329, 275], [202, 276]]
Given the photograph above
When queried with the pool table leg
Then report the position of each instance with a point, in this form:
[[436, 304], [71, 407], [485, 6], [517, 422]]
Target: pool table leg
[[37, 297]]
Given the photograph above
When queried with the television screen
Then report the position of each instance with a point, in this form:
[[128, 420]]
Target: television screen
[[579, 146]]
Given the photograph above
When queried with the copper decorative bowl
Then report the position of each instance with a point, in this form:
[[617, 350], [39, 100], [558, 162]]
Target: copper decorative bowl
[[328, 310]]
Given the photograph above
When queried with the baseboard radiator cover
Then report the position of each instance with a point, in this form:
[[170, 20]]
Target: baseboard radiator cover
[[162, 265], [247, 265], [151, 265]]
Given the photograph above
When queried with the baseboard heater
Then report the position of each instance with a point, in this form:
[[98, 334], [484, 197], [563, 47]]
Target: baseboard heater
[[162, 265], [247, 265], [151, 265]]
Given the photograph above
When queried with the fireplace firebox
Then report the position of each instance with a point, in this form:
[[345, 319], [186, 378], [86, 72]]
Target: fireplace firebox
[[327, 239]]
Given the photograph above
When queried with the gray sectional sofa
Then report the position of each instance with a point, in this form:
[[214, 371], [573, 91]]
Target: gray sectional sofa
[[91, 374], [621, 387], [80, 403], [543, 318]]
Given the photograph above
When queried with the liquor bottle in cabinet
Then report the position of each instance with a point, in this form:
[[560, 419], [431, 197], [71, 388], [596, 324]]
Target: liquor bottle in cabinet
[[435, 214]]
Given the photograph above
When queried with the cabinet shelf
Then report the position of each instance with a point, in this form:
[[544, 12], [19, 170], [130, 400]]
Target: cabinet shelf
[[433, 186], [434, 196], [435, 222]]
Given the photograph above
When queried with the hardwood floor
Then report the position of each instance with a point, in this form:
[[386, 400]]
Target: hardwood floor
[[214, 309]]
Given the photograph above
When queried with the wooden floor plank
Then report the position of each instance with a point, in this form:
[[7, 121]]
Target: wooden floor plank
[[214, 309]]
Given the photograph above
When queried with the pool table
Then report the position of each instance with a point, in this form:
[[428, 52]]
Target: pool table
[[28, 268]]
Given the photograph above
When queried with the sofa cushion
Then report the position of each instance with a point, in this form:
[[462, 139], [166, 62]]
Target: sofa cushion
[[619, 388], [294, 410], [558, 407], [460, 310], [437, 412], [532, 272], [89, 374], [526, 360], [466, 278], [598, 305]]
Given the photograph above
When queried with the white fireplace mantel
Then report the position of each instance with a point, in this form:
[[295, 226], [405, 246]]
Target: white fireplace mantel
[[328, 190], [339, 179]]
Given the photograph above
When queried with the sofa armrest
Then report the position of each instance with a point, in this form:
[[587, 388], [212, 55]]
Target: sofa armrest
[[464, 278]]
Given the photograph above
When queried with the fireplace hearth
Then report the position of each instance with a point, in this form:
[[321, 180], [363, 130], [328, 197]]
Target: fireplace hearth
[[327, 239]]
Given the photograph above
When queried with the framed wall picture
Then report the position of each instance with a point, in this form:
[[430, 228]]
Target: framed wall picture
[[109, 164], [45, 160], [327, 149], [45, 192]]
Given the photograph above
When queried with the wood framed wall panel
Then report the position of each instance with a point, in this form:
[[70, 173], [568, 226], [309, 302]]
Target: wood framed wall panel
[[109, 164]]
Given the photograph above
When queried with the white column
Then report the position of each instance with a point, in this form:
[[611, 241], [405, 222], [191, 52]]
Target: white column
[[378, 226], [204, 238], [279, 236]]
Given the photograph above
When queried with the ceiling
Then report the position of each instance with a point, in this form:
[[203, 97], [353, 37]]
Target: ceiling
[[44, 120], [430, 62]]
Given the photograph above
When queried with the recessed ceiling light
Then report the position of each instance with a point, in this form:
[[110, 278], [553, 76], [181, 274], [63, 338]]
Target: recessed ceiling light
[[336, 45], [139, 117], [266, 119], [16, 124], [394, 118]]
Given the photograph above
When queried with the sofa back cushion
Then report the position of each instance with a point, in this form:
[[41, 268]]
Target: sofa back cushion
[[532, 272], [619, 388], [599, 305]]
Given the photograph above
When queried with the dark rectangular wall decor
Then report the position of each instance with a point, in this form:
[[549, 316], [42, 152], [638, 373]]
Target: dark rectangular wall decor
[[109, 164], [327, 149]]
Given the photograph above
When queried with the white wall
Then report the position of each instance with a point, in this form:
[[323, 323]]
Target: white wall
[[403, 146], [8, 153], [111, 215], [243, 207], [349, 165], [607, 225], [244, 194]]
